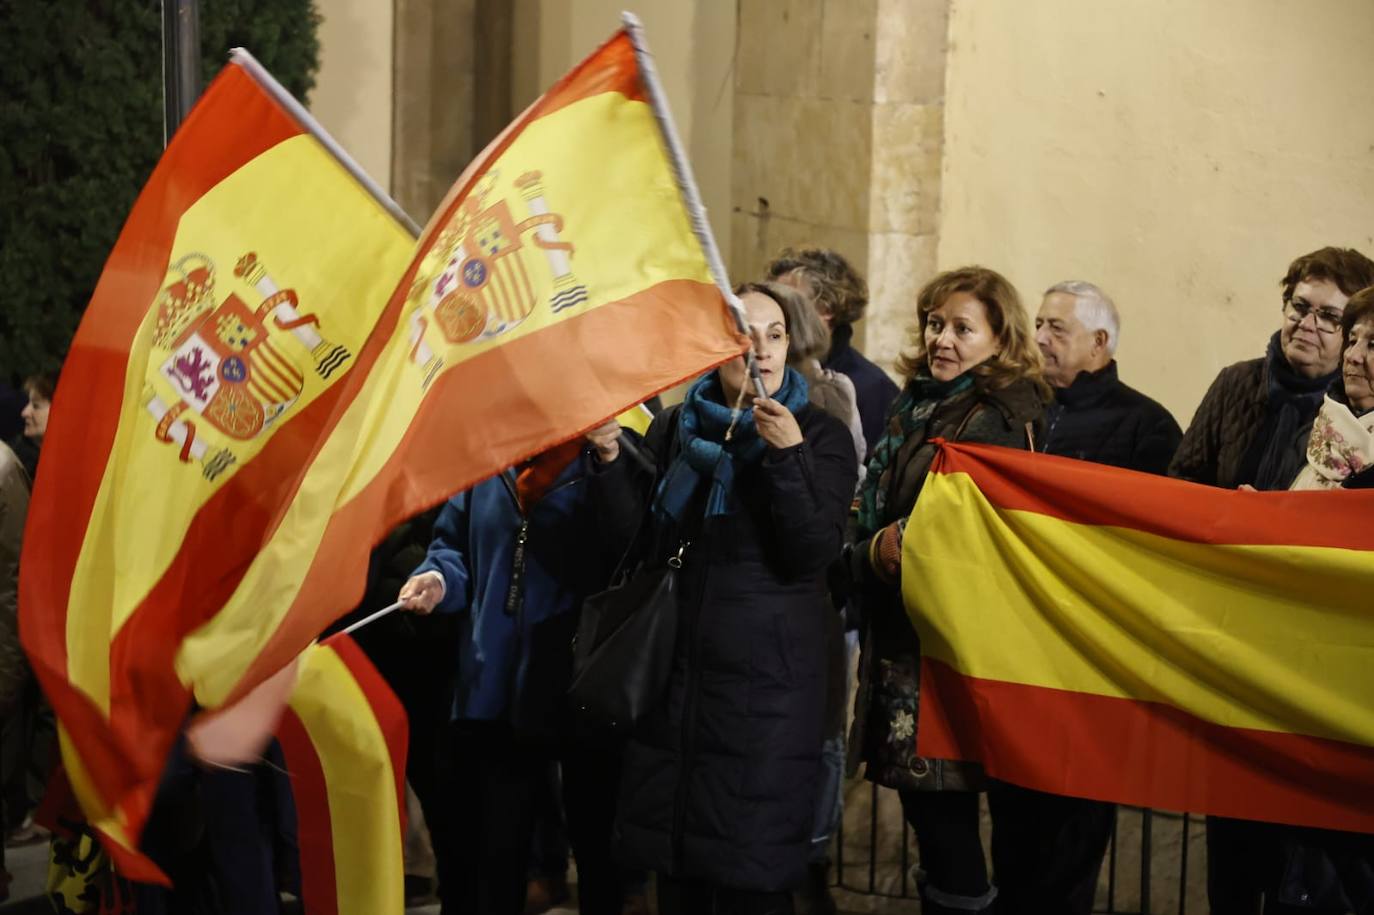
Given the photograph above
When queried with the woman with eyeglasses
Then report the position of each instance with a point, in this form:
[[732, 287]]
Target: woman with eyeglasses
[[1251, 427], [1251, 431]]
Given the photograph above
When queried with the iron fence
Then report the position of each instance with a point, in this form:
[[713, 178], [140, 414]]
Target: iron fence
[[1117, 870]]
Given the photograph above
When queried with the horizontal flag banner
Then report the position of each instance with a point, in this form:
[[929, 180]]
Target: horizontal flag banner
[[1097, 632]]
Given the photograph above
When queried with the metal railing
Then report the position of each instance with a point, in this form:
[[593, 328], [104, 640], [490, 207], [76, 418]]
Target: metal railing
[[880, 881]]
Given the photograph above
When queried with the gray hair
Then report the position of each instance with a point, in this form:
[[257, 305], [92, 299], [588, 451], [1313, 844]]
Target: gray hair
[[1094, 308]]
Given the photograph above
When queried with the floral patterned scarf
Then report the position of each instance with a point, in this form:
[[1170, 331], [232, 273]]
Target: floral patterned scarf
[[1341, 445]]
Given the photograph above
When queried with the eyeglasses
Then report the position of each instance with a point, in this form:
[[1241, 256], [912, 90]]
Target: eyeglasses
[[1327, 320]]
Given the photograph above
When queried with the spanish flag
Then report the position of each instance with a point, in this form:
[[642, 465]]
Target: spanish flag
[[208, 369], [271, 375], [344, 736], [1102, 633]]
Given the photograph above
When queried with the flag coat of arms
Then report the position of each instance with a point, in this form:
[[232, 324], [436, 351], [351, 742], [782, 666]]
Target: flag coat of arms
[[271, 375], [1109, 634]]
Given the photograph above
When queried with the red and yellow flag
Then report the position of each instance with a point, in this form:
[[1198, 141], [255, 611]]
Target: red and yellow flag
[[1108, 634], [270, 375], [208, 369], [344, 737]]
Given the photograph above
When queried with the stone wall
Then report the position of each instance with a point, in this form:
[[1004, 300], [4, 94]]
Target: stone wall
[[839, 108]]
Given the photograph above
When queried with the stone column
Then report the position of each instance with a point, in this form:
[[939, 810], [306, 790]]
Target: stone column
[[839, 109], [435, 98]]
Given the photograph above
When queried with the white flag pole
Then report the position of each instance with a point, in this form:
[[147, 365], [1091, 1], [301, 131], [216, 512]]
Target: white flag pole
[[686, 181], [269, 83], [372, 617]]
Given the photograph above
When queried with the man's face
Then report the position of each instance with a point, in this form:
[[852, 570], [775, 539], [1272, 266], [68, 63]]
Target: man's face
[[1311, 333], [1068, 346]]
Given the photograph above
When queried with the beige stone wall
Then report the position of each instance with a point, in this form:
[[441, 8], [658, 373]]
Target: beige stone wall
[[1179, 154], [436, 99], [838, 142], [352, 96], [692, 41]]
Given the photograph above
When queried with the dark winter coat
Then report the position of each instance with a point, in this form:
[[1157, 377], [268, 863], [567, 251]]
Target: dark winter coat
[[884, 735], [720, 779], [874, 391], [1226, 425], [1100, 419]]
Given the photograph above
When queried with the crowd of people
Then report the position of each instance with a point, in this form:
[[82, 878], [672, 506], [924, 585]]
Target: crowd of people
[[785, 509], [781, 499]]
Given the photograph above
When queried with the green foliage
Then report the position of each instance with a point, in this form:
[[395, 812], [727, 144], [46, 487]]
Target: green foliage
[[81, 118]]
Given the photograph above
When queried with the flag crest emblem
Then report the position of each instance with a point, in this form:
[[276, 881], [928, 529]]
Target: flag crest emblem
[[493, 266], [224, 370]]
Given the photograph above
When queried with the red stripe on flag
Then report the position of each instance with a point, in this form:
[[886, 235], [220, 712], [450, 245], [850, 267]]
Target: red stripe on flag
[[1085, 493], [314, 828], [1142, 753], [421, 473]]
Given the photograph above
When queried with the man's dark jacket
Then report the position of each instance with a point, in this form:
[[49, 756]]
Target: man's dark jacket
[[1098, 418]]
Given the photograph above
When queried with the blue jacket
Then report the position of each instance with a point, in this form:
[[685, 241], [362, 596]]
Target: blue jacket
[[514, 654]]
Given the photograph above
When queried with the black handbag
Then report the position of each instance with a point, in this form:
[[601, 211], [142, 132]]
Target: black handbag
[[623, 650]]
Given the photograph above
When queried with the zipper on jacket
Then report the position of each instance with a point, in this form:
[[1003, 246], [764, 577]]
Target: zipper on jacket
[[515, 594]]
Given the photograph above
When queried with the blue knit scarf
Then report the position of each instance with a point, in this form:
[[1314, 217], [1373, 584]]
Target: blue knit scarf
[[705, 454]]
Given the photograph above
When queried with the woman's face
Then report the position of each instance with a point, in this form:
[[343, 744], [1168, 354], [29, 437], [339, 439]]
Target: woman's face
[[1357, 366], [769, 333], [35, 417], [1311, 331], [958, 336]]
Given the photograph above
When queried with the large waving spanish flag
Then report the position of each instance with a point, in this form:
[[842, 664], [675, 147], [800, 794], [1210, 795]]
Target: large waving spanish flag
[[1108, 634], [270, 376], [210, 364]]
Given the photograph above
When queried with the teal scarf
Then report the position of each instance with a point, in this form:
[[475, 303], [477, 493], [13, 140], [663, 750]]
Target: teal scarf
[[907, 418], [705, 454]]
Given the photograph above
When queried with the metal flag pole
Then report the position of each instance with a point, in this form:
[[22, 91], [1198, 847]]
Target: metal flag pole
[[686, 182], [180, 63]]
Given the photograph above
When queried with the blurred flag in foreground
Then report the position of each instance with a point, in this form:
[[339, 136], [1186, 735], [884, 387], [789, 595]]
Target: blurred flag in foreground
[[1115, 635], [344, 737]]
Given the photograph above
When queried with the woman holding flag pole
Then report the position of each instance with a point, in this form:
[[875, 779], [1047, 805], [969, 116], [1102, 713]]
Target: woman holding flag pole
[[750, 492]]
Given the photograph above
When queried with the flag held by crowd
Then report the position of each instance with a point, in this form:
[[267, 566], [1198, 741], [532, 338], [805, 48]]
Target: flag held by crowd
[[270, 375], [1102, 633]]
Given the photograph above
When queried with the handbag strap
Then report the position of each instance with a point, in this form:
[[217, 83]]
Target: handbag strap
[[646, 517]]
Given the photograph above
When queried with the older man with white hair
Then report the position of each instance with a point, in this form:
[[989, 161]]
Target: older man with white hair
[[1096, 417], [1049, 848]]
